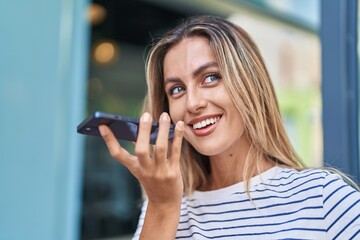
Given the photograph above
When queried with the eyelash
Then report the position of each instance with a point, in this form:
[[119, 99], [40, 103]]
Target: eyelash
[[180, 88], [217, 76], [171, 91]]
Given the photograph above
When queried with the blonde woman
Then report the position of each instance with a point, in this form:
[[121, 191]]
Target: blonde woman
[[230, 171]]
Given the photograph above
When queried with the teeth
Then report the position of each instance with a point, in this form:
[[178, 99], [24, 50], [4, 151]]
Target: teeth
[[206, 122]]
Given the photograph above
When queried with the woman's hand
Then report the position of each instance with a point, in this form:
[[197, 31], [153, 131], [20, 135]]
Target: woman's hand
[[159, 170]]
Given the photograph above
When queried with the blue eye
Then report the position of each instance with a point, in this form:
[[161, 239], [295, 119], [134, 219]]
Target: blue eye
[[212, 78], [176, 90]]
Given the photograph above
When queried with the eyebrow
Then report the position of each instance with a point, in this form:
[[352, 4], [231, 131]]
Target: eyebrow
[[195, 73]]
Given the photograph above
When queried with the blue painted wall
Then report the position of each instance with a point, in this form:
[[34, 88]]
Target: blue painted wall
[[43, 61]]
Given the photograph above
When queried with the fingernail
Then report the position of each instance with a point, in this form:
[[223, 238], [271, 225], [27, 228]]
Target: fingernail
[[145, 117], [164, 117], [102, 130], [180, 125]]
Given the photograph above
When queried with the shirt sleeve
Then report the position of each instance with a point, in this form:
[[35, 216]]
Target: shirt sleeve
[[341, 208], [141, 221]]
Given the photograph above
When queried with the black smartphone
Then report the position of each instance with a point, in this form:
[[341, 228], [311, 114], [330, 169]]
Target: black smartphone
[[123, 127]]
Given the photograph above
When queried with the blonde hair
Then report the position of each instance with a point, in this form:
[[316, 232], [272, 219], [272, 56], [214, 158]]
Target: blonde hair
[[248, 84]]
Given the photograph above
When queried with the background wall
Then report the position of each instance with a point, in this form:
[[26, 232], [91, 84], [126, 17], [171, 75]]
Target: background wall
[[43, 48]]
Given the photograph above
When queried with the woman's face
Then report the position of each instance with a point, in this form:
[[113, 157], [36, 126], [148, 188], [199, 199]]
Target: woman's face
[[197, 95]]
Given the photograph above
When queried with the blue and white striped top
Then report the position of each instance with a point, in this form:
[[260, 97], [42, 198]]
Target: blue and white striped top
[[285, 204]]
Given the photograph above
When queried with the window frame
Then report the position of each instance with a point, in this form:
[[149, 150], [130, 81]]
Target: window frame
[[338, 35]]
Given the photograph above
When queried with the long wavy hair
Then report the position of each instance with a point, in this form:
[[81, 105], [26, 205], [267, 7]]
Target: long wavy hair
[[247, 82]]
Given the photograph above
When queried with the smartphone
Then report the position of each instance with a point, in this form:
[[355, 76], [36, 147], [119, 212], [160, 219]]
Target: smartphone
[[123, 127]]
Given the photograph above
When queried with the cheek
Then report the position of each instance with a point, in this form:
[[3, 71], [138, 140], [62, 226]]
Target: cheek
[[176, 110]]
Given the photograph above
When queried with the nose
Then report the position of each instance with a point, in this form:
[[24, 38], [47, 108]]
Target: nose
[[195, 102]]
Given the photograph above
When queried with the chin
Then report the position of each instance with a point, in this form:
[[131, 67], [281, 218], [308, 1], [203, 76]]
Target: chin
[[208, 149]]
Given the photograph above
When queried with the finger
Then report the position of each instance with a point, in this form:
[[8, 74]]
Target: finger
[[115, 149], [143, 139], [177, 143], [162, 140]]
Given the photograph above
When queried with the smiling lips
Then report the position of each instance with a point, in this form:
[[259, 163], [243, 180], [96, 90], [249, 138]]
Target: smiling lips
[[205, 122], [205, 127]]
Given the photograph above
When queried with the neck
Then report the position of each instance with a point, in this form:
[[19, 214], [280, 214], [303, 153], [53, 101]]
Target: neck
[[228, 168]]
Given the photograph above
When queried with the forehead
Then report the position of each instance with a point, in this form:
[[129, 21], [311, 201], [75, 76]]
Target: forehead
[[187, 55]]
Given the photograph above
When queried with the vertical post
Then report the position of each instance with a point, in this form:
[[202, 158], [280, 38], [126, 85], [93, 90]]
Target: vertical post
[[43, 58], [340, 85]]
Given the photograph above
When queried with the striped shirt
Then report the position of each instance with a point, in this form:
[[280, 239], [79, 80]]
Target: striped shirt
[[285, 204]]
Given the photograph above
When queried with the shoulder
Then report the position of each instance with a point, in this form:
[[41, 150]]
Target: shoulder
[[337, 191], [293, 178], [341, 204], [325, 177], [336, 185], [326, 183]]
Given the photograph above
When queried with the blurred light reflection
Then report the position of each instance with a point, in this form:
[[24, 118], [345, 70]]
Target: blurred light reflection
[[105, 52], [96, 14]]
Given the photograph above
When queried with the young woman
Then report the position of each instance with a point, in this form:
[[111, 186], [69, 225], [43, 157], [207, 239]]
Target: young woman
[[230, 171]]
